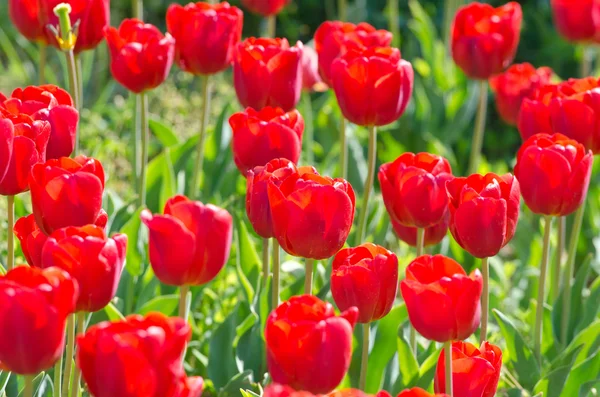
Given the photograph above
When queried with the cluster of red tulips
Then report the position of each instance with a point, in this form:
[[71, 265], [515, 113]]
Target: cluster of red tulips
[[75, 267]]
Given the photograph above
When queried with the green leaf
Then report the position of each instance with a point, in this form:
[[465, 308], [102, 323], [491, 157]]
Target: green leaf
[[427, 370], [221, 350], [135, 245], [249, 261], [591, 308], [168, 186], [237, 383], [164, 134], [407, 363], [113, 313], [553, 383], [165, 304], [4, 378], [583, 373]]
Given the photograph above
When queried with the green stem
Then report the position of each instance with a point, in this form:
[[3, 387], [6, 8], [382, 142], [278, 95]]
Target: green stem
[[183, 293], [77, 373], [73, 87], [28, 390], [275, 297], [364, 363], [560, 249], [310, 264], [475, 157], [10, 238], [202, 138], [69, 354], [145, 138], [342, 10], [485, 298], [586, 62], [309, 131], [79, 76], [343, 149], [271, 21], [136, 143], [265, 258], [137, 7], [364, 210], [58, 375], [539, 313], [43, 52], [420, 248], [448, 358], [394, 22]]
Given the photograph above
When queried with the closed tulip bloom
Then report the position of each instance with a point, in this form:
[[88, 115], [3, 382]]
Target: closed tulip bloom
[[67, 192], [514, 85], [32, 239], [137, 357], [418, 392], [554, 174], [442, 300], [34, 305], [259, 137], [190, 243], [414, 189], [7, 137], [475, 372], [268, 72], [141, 56], [265, 7], [312, 214], [577, 20], [485, 39], [311, 79], [206, 35], [334, 39], [308, 346], [433, 234], [484, 210], [25, 15], [365, 277], [372, 87]]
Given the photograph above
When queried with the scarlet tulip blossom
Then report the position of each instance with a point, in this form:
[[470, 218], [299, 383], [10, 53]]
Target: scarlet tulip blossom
[[7, 137], [25, 15], [268, 72], [308, 346], [206, 35], [265, 135], [190, 243], [67, 192], [141, 56], [334, 39], [433, 234], [311, 214], [484, 211], [276, 390], [484, 39], [90, 17], [554, 174], [514, 85], [311, 79], [577, 20], [47, 103], [475, 372], [372, 87], [265, 8], [32, 239], [414, 189], [418, 392], [137, 357], [34, 305], [365, 277], [442, 300]]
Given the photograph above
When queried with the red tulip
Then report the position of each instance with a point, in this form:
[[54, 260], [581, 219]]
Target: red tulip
[[32, 239], [475, 372], [308, 346], [518, 82], [571, 108], [25, 14], [205, 34], [312, 214], [137, 357], [67, 192], [485, 39], [259, 137], [441, 299], [365, 277], [92, 16], [311, 79], [276, 390], [484, 212], [373, 86], [190, 243], [577, 20], [414, 189], [433, 235], [334, 39], [418, 392], [268, 72], [7, 138], [34, 305], [141, 56], [554, 174], [52, 104], [265, 7]]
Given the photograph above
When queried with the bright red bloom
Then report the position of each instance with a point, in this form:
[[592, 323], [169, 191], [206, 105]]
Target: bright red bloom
[[25, 14], [334, 39], [485, 39], [92, 17], [414, 189], [7, 138], [276, 390], [265, 7], [137, 357], [32, 239], [484, 211], [475, 372], [514, 85], [312, 214], [571, 108], [34, 305], [365, 277], [577, 20], [308, 346], [259, 137], [268, 72], [374, 86], [141, 56], [190, 243], [554, 174], [418, 392], [67, 192], [205, 34], [433, 234], [442, 300], [311, 79], [47, 103]]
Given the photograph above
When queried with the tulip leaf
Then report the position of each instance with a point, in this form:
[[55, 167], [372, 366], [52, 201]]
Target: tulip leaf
[[113, 313], [248, 262], [427, 370], [238, 382], [553, 383], [168, 186], [221, 348], [163, 133], [135, 245], [591, 309], [407, 364], [165, 304], [4, 378]]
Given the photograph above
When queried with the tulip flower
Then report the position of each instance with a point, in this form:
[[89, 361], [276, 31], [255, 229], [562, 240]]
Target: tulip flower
[[7, 137], [276, 390], [268, 72], [32, 239], [67, 192], [418, 392], [514, 85], [25, 15], [308, 346], [34, 305], [311, 79], [137, 357], [265, 8], [433, 235], [475, 372], [577, 20]]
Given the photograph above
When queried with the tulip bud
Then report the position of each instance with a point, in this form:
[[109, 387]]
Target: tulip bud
[[25, 15], [265, 7], [577, 20]]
